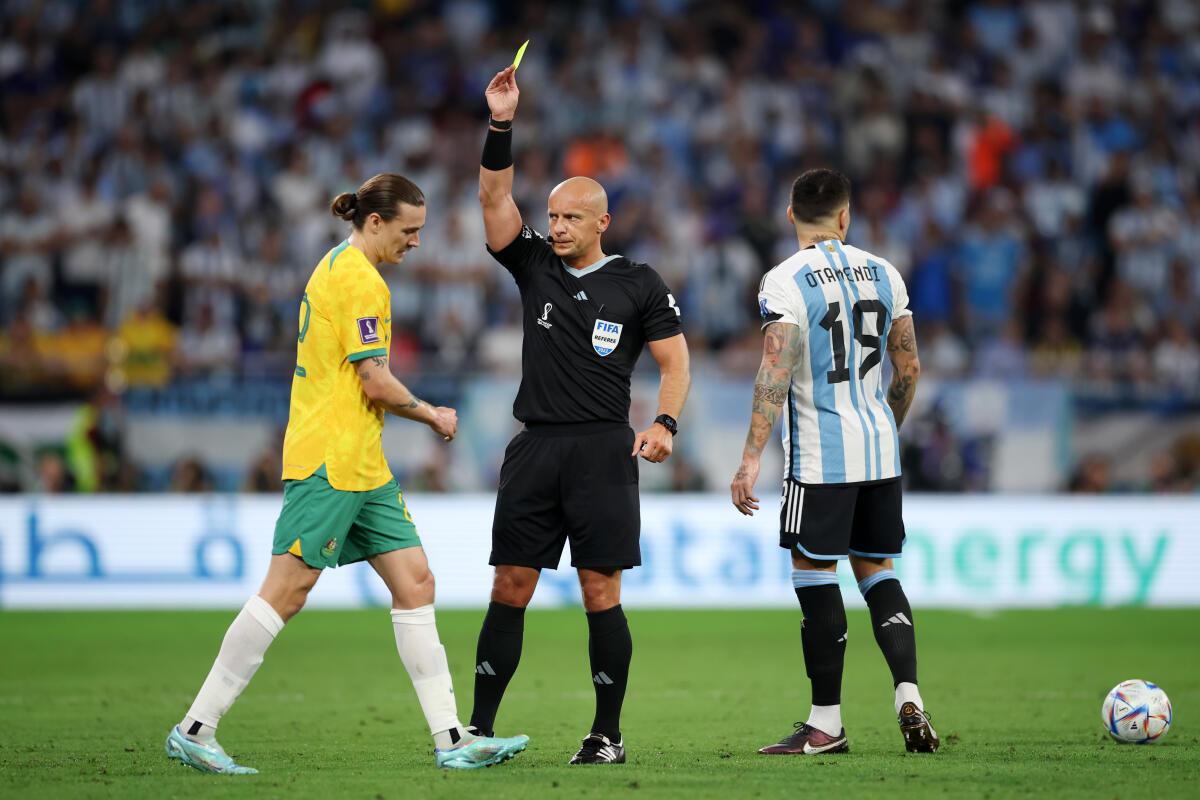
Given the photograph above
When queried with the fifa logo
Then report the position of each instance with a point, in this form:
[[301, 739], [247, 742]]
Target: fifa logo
[[546, 316]]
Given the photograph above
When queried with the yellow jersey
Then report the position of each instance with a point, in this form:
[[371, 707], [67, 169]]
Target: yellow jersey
[[345, 316]]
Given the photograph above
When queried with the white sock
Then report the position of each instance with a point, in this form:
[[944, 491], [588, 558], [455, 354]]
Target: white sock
[[826, 718], [240, 656], [907, 693], [425, 659]]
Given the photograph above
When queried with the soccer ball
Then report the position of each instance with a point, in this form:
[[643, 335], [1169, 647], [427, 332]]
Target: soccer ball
[[1136, 712]]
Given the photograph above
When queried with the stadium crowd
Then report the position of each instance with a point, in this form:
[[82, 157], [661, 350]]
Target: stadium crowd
[[1030, 168]]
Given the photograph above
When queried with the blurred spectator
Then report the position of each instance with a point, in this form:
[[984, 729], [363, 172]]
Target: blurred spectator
[[721, 285], [943, 353], [145, 348], [1056, 354], [1168, 475], [52, 474], [932, 457], [190, 476], [1003, 357], [1093, 475], [207, 348], [991, 257], [432, 474], [1143, 235], [131, 275], [1117, 356], [26, 239], [263, 477], [684, 475], [1177, 358]]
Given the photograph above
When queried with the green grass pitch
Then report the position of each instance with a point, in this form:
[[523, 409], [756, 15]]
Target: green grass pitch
[[86, 699]]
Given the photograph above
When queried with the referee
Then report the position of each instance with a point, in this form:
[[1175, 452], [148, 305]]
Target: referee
[[572, 473]]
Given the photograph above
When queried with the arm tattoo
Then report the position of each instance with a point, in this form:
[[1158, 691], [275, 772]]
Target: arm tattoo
[[782, 347], [414, 403], [364, 371], [900, 395], [769, 394], [902, 347], [902, 337]]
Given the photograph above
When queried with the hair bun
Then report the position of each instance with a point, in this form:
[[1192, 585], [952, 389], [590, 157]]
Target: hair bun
[[345, 205]]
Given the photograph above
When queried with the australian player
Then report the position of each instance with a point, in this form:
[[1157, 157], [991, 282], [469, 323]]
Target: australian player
[[572, 472], [341, 503], [827, 312]]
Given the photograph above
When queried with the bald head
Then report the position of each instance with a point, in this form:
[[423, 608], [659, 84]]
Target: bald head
[[578, 213], [581, 192]]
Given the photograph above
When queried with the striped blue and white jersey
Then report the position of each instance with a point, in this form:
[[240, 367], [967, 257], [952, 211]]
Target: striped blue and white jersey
[[837, 426]]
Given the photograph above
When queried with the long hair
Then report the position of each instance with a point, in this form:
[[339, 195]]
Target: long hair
[[380, 195]]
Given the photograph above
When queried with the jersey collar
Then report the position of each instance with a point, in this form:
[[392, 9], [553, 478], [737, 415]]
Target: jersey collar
[[588, 270]]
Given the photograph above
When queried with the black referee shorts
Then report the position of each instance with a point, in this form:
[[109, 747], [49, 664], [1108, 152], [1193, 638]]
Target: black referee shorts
[[575, 482], [828, 522]]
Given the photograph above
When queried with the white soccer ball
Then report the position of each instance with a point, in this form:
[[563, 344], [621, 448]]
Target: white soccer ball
[[1136, 712]]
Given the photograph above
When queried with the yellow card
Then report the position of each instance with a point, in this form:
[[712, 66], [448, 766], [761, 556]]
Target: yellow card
[[520, 53]]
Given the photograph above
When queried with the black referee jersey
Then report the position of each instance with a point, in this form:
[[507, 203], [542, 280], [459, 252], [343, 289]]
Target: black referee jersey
[[583, 331]]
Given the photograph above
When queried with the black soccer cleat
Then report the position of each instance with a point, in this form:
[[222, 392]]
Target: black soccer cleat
[[919, 735], [597, 749], [806, 740]]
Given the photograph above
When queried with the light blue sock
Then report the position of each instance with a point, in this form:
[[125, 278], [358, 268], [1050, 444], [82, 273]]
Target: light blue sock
[[803, 578], [866, 583]]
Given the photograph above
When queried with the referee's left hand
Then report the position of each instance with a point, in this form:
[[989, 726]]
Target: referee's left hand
[[654, 443]]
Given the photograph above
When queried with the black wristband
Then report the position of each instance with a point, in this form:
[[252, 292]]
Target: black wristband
[[497, 150], [500, 124], [668, 422]]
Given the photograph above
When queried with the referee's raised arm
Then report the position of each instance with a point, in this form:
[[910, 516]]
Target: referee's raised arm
[[501, 217]]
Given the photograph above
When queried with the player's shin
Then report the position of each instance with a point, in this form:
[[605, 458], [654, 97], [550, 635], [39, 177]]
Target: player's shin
[[424, 657], [891, 619], [823, 639], [240, 656]]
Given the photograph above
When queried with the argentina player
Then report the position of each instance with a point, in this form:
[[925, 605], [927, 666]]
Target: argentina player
[[827, 312]]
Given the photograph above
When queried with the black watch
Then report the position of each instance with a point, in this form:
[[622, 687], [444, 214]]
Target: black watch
[[500, 125], [668, 422]]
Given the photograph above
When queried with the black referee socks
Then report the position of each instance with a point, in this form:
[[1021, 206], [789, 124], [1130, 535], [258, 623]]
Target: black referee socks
[[496, 659], [891, 619], [611, 648], [823, 638]]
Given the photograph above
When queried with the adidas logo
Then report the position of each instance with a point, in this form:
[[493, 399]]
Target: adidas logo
[[484, 669], [581, 296], [897, 619], [602, 679]]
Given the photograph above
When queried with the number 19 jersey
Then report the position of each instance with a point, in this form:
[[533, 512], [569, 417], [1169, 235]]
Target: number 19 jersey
[[837, 426]]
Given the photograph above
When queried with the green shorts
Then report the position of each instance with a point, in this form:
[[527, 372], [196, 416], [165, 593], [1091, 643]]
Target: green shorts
[[326, 527]]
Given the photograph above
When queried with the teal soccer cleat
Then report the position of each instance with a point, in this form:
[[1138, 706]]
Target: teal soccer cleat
[[204, 757], [482, 751]]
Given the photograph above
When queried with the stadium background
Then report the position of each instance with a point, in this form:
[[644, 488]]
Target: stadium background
[[165, 172], [1031, 168]]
